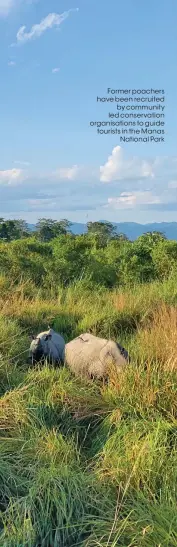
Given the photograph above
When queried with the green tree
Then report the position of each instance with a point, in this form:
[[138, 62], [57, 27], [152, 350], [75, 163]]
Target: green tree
[[152, 238], [70, 257], [13, 229], [3, 230], [164, 257], [47, 228], [102, 232], [135, 264]]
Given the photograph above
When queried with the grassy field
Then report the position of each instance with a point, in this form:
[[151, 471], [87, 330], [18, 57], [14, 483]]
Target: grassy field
[[81, 463]]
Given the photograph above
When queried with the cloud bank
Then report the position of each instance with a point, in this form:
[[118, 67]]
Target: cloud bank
[[130, 200], [122, 183], [11, 176]]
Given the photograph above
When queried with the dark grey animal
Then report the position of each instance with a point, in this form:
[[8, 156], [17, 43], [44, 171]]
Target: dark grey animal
[[48, 344], [90, 356]]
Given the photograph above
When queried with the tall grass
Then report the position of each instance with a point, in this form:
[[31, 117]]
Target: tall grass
[[83, 463]]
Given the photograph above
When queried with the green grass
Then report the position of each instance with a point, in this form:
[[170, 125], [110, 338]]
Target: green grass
[[83, 463]]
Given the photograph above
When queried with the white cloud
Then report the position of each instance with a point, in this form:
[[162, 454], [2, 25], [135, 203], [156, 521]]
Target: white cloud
[[54, 70], [11, 63], [68, 173], [119, 167], [52, 20], [128, 199], [12, 176]]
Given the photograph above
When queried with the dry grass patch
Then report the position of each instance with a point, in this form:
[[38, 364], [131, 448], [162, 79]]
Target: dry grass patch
[[158, 340]]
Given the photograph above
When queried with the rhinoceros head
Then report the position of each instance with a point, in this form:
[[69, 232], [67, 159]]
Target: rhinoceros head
[[38, 348]]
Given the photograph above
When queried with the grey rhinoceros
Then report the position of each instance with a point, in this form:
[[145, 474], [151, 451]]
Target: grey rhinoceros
[[90, 356], [48, 344]]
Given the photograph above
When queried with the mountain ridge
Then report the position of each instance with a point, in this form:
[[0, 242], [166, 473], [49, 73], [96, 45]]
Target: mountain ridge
[[131, 229]]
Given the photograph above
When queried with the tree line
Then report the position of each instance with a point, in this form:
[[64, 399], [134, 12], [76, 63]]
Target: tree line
[[52, 255], [47, 229]]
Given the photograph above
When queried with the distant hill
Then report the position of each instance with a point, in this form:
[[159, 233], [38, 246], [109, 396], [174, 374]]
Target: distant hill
[[131, 229]]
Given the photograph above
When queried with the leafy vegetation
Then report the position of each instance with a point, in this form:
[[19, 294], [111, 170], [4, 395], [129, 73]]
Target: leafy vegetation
[[82, 463], [52, 256]]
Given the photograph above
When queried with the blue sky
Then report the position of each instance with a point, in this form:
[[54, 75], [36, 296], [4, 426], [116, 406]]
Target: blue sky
[[56, 57]]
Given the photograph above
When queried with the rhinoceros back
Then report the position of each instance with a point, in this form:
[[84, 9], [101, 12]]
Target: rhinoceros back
[[89, 355]]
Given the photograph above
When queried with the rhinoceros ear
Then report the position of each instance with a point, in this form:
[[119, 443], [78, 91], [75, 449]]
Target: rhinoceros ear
[[48, 337]]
